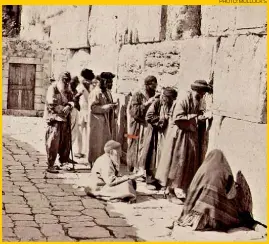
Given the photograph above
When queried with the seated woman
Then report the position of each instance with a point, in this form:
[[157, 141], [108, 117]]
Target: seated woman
[[105, 182], [214, 200]]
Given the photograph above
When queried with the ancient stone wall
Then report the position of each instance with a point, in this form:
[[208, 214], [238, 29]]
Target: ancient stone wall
[[27, 52], [224, 45]]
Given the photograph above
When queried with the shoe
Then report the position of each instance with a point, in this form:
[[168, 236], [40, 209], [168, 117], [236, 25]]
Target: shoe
[[52, 170], [70, 161], [88, 192]]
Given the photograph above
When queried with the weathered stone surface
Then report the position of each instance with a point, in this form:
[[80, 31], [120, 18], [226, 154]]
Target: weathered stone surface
[[107, 25], [183, 21], [80, 224], [16, 209], [28, 233], [45, 219], [21, 217], [95, 213], [71, 219], [13, 199], [52, 230], [244, 145], [37, 210], [66, 213], [92, 203], [112, 222], [121, 232], [59, 238], [88, 232], [8, 232], [144, 23], [26, 223], [240, 87], [68, 208], [217, 20]]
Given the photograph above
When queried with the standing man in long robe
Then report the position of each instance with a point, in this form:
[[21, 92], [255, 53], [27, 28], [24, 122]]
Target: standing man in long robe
[[59, 103], [180, 159], [108, 76], [99, 131], [137, 110], [157, 117], [83, 90]]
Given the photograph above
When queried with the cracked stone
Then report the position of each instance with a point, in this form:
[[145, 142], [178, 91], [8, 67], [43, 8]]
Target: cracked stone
[[122, 232], [88, 232], [46, 219], [112, 222], [68, 208], [63, 199], [28, 233], [95, 213], [70, 219], [21, 217], [13, 199], [92, 203], [109, 240], [26, 223], [7, 232], [74, 203], [52, 230], [29, 189], [41, 210], [59, 238], [17, 210], [80, 224], [66, 213]]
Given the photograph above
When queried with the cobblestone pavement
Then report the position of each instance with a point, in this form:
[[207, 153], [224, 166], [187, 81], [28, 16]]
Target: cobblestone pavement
[[45, 207]]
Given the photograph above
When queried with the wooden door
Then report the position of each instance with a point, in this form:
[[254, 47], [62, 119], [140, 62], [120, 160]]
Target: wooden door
[[21, 86]]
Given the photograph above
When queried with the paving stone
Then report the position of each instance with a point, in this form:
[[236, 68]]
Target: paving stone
[[52, 230], [45, 219], [29, 189], [23, 183], [26, 223], [38, 210], [60, 238], [63, 199], [69, 219], [122, 232], [8, 232], [108, 240], [17, 210], [28, 233], [66, 213], [92, 203], [13, 199], [56, 193], [88, 232], [80, 224], [68, 208], [112, 222], [21, 217], [73, 203], [95, 213], [10, 239]]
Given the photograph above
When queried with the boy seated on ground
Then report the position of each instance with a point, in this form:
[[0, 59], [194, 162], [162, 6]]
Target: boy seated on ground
[[105, 181]]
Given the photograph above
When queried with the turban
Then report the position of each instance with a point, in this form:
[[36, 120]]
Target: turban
[[170, 92], [87, 74], [111, 145], [52, 78], [65, 76], [200, 85], [150, 79], [107, 75]]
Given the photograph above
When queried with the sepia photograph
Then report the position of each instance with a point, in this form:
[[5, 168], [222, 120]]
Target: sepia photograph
[[134, 123]]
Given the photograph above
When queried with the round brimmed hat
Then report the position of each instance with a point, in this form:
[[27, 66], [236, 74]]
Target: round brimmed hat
[[200, 85], [112, 145], [107, 75], [150, 79], [87, 74]]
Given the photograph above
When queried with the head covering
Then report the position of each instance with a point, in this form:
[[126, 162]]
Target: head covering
[[170, 92], [87, 74], [52, 78], [110, 145], [200, 85], [107, 75], [150, 79], [65, 75]]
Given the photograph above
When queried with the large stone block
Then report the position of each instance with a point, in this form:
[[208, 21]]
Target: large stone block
[[225, 20], [183, 21], [130, 68], [217, 20], [107, 25], [244, 145], [69, 32], [240, 78], [196, 61], [144, 24]]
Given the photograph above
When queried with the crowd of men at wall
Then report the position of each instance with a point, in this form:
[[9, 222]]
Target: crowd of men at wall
[[167, 133]]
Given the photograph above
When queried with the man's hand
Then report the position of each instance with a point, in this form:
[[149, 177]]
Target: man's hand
[[108, 106], [67, 110]]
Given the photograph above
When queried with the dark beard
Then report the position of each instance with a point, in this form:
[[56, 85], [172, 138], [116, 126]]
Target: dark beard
[[151, 93]]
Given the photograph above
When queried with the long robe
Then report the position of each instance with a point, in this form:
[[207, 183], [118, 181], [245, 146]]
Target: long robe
[[209, 202], [179, 160], [112, 117], [105, 182], [137, 125], [154, 136], [99, 126]]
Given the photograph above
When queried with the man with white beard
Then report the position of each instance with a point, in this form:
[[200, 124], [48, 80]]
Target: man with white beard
[[59, 104]]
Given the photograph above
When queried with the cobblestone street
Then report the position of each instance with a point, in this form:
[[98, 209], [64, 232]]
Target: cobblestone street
[[45, 207]]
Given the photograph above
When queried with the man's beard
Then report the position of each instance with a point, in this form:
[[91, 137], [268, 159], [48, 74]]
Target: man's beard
[[151, 92]]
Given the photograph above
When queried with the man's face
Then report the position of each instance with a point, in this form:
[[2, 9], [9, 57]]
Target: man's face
[[65, 83], [199, 95], [164, 99], [115, 156], [109, 84], [152, 87]]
